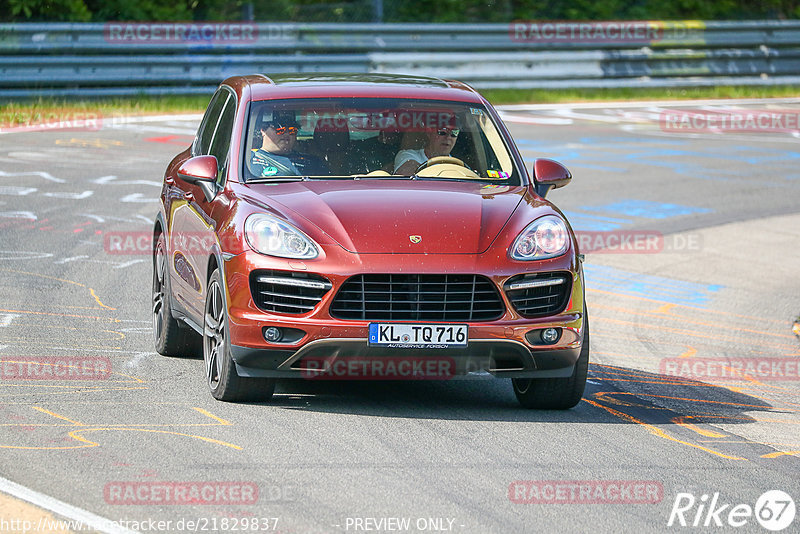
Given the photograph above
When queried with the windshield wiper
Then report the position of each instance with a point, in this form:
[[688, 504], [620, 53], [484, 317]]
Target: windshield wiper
[[278, 179], [380, 177], [448, 179]]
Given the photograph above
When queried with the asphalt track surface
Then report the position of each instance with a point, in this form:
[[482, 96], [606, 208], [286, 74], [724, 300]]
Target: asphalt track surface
[[444, 456]]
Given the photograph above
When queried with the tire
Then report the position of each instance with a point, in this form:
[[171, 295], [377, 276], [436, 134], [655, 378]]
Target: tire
[[171, 339], [223, 381], [556, 393]]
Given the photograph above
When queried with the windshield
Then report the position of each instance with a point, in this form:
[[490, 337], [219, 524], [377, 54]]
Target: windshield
[[335, 138]]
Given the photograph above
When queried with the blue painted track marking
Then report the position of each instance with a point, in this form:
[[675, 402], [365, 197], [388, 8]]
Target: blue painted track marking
[[647, 209], [593, 223], [654, 287], [618, 154]]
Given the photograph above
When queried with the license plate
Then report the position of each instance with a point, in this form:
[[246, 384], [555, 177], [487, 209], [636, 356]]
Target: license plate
[[426, 336]]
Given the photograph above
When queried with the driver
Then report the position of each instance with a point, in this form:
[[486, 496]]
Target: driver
[[439, 141], [277, 155]]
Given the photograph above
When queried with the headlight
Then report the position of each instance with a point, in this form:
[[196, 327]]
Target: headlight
[[545, 237], [272, 236]]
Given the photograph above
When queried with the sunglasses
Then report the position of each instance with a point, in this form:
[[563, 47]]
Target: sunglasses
[[453, 132], [280, 130]]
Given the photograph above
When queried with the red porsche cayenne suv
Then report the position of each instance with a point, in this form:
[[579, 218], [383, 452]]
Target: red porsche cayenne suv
[[336, 226]]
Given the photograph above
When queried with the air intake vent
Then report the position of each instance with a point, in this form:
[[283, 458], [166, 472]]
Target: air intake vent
[[287, 292], [539, 294], [418, 297]]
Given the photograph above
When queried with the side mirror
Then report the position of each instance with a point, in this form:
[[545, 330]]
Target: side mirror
[[549, 174], [202, 171]]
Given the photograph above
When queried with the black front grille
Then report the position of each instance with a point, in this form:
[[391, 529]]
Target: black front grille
[[418, 297], [548, 296], [287, 292]]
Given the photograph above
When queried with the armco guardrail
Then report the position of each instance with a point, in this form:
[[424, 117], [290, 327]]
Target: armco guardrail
[[157, 58]]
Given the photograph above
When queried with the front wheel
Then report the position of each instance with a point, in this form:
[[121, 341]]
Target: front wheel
[[223, 381], [556, 393], [171, 338]]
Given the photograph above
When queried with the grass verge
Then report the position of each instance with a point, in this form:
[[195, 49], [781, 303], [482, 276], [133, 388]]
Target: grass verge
[[49, 110]]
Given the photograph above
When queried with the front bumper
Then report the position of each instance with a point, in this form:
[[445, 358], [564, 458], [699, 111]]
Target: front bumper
[[321, 360]]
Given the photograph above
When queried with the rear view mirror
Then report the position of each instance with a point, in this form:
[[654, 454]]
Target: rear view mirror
[[199, 169], [549, 174], [202, 171]]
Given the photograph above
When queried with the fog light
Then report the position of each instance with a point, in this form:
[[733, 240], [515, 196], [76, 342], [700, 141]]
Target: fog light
[[272, 334], [550, 335]]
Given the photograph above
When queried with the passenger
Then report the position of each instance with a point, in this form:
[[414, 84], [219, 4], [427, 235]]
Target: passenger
[[439, 141], [377, 152], [277, 155], [331, 143]]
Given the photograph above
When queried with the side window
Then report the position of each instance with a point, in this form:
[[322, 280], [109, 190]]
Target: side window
[[221, 140], [209, 124]]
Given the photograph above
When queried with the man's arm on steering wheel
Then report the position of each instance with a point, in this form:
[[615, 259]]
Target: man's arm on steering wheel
[[408, 168]]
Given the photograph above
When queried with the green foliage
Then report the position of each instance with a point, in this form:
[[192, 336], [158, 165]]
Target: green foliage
[[449, 11], [395, 10], [47, 10], [140, 10]]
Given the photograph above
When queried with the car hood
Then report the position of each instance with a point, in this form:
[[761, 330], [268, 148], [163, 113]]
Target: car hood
[[400, 217]]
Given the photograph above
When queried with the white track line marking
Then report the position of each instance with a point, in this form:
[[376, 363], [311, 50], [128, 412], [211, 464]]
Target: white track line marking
[[7, 318], [18, 215], [155, 129], [160, 118], [137, 197], [113, 180], [510, 117], [45, 175], [101, 524], [662, 103], [633, 128], [137, 358]]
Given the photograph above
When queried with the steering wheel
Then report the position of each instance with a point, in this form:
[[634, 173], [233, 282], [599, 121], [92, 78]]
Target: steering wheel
[[446, 167], [438, 160]]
